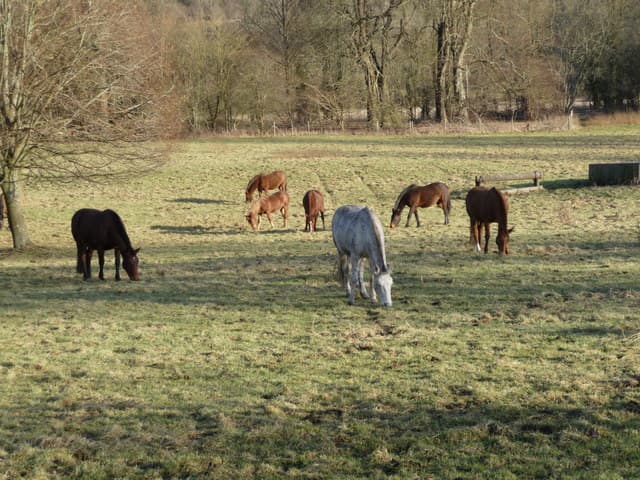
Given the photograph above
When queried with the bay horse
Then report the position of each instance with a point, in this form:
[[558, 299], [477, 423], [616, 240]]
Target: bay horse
[[358, 234], [102, 230], [486, 206], [264, 182], [266, 206], [313, 203], [415, 196]]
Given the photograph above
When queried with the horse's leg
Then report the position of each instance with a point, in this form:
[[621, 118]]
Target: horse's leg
[[442, 203], [285, 215], [363, 285], [101, 264], [487, 233], [415, 213], [269, 218], [374, 295], [345, 274], [322, 217], [409, 216], [86, 260], [117, 255], [475, 235], [79, 259], [353, 278]]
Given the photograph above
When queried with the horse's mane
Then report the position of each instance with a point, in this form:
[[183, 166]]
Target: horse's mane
[[502, 203], [117, 221], [401, 196], [376, 234], [255, 206], [253, 181]]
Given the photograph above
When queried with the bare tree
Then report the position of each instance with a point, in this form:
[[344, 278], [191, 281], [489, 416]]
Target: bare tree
[[278, 26], [581, 33], [377, 30], [453, 32], [80, 86]]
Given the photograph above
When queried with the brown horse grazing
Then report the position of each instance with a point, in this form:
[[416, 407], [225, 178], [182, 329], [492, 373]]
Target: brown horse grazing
[[102, 230], [264, 182], [415, 197], [484, 207], [267, 205], [313, 203]]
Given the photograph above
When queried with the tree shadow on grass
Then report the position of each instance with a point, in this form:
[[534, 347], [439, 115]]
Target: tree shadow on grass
[[357, 436]]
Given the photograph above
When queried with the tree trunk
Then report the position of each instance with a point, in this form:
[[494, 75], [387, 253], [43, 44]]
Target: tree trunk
[[12, 189], [440, 80]]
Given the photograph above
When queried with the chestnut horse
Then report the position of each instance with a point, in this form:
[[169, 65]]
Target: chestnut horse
[[267, 205], [415, 197], [264, 182], [96, 230], [313, 203], [486, 206]]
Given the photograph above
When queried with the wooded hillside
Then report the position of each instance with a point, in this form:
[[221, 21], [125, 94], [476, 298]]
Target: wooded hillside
[[257, 64]]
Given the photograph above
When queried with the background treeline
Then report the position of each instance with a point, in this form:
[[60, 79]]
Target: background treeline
[[260, 64]]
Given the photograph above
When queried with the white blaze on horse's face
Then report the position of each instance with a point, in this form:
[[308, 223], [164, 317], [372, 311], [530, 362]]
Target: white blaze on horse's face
[[382, 283]]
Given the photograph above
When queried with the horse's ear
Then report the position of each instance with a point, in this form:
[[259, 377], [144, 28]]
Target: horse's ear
[[135, 252], [377, 271], [511, 230]]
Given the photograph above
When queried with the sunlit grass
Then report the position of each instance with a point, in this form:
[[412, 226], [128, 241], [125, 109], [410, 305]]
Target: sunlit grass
[[237, 355]]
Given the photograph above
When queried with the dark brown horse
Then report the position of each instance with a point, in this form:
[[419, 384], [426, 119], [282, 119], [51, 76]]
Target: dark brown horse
[[416, 196], [486, 206], [102, 230], [266, 206], [313, 203], [263, 182]]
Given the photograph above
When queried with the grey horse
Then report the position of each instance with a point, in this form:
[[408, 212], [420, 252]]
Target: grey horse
[[357, 234]]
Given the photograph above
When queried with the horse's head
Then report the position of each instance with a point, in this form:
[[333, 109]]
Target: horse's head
[[248, 196], [253, 219], [503, 241], [382, 282], [130, 264], [395, 217]]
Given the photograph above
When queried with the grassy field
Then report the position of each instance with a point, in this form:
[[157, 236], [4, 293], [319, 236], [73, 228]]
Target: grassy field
[[237, 355]]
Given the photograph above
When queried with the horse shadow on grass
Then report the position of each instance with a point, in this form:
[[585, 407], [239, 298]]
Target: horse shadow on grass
[[194, 230], [206, 201]]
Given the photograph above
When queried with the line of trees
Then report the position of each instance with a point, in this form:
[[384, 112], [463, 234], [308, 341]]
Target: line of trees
[[300, 63]]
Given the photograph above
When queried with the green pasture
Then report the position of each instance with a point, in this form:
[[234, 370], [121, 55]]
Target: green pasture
[[237, 356]]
